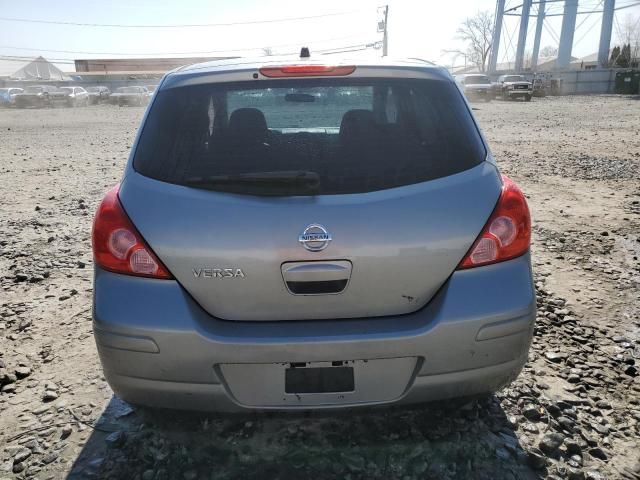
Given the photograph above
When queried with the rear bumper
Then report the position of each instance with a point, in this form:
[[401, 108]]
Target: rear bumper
[[159, 348]]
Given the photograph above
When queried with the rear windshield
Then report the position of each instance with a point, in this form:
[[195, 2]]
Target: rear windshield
[[477, 80], [308, 137]]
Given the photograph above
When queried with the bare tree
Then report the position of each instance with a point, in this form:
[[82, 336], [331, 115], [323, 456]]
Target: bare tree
[[267, 51], [549, 51], [629, 34], [477, 33]]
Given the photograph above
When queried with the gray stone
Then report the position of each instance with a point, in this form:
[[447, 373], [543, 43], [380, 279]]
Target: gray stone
[[603, 404], [21, 455], [50, 457], [551, 442], [566, 423], [597, 452], [573, 448], [601, 429], [555, 357], [594, 475], [22, 372], [531, 412], [575, 474], [8, 388], [49, 396]]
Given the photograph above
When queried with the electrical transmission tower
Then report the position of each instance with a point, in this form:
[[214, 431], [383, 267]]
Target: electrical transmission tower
[[565, 45]]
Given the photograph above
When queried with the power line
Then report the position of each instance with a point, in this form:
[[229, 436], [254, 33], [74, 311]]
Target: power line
[[577, 42], [14, 58], [193, 25], [202, 52], [588, 15], [342, 49], [550, 30]]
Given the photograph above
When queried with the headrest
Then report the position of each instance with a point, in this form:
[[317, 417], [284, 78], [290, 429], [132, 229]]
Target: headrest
[[357, 124], [248, 123]]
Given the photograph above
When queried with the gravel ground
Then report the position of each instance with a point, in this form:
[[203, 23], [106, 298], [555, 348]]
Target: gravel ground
[[573, 413]]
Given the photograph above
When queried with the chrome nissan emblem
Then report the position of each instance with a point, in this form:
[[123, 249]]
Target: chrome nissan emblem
[[315, 238]]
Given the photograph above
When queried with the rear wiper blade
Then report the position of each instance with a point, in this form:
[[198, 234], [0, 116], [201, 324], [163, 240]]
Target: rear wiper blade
[[295, 177]]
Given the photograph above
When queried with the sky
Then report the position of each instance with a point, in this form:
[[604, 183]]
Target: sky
[[417, 28]]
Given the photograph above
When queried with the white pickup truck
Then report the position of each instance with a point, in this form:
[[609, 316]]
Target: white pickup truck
[[513, 86]]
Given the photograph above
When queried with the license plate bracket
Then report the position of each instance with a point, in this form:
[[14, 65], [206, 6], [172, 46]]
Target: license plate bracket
[[361, 382]]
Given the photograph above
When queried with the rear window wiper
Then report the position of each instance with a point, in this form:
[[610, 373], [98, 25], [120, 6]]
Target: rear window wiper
[[308, 181]]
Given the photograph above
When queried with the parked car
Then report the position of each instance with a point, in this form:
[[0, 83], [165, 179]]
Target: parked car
[[98, 95], [70, 97], [130, 96], [8, 96], [35, 96], [475, 86], [514, 86], [315, 254]]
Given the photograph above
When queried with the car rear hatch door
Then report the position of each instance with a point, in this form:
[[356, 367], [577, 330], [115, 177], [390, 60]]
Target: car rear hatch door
[[232, 253]]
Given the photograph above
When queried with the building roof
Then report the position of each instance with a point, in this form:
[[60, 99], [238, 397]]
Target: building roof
[[27, 68], [151, 64]]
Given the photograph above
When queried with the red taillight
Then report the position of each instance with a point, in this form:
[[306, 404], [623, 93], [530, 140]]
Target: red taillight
[[117, 245], [507, 233], [307, 71]]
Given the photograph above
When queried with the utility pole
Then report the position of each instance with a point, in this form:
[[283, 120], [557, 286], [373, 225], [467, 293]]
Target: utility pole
[[497, 31], [382, 27], [522, 35], [536, 40]]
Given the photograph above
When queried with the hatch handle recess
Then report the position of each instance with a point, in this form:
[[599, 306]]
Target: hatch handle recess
[[316, 278]]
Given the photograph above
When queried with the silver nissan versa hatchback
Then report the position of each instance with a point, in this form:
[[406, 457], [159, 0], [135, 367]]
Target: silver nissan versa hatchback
[[310, 233]]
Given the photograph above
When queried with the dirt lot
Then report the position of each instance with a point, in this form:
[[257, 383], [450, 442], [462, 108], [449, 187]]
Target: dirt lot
[[573, 413]]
